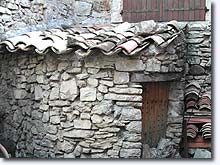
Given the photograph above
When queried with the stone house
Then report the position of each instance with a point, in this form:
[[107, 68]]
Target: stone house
[[110, 91]]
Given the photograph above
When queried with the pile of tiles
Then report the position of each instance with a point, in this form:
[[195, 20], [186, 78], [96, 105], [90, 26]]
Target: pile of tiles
[[205, 102], [194, 103], [192, 130], [197, 106], [192, 96], [206, 131]]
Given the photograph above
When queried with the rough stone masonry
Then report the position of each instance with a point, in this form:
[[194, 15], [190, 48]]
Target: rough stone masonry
[[21, 16], [65, 106]]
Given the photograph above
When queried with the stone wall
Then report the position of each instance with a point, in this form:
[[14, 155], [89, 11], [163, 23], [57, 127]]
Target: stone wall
[[198, 56], [21, 16], [199, 69], [62, 106], [60, 109]]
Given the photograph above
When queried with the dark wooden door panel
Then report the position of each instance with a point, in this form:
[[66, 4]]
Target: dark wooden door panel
[[154, 111], [164, 10]]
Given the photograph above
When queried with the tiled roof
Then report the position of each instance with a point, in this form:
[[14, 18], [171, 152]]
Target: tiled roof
[[125, 38]]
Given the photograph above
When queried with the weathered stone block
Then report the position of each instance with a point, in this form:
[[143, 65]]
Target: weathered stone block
[[103, 88], [38, 92], [103, 136], [54, 94], [93, 70], [140, 77], [100, 75], [85, 116], [113, 153], [130, 114], [176, 94], [20, 93], [17, 118], [82, 76], [47, 143], [36, 114], [83, 124], [92, 82], [55, 76], [62, 66], [110, 129], [67, 124], [55, 119], [100, 96], [197, 70], [78, 134], [126, 90], [107, 83], [46, 117], [84, 144], [130, 153], [113, 96], [132, 145], [164, 69], [99, 156], [88, 94], [69, 90], [175, 109], [44, 107], [65, 76], [69, 155], [121, 77], [96, 119], [132, 137], [134, 126], [101, 145], [195, 34], [153, 65], [66, 146], [133, 104], [129, 65], [40, 79], [74, 70], [51, 129], [195, 40], [103, 107], [196, 26], [59, 103]]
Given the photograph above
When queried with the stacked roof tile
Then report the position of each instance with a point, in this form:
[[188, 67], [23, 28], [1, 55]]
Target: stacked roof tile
[[197, 106], [125, 38], [192, 91], [194, 103], [192, 130], [205, 102], [206, 131]]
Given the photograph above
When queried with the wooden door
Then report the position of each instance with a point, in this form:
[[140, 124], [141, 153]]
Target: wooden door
[[154, 112], [164, 10]]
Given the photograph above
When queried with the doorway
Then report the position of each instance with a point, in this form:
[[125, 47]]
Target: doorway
[[154, 112]]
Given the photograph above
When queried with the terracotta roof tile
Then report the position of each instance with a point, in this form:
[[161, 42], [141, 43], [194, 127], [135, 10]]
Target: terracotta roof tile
[[126, 38], [192, 130], [206, 131]]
